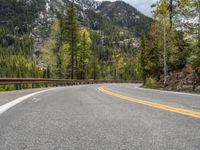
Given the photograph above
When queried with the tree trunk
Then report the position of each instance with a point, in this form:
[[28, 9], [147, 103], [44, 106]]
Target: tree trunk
[[171, 12], [198, 9], [72, 60], [94, 71], [165, 57]]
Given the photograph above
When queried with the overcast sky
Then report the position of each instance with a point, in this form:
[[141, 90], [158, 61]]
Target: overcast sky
[[143, 5]]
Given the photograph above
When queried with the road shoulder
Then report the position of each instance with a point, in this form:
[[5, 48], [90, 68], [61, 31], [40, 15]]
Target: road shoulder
[[8, 96]]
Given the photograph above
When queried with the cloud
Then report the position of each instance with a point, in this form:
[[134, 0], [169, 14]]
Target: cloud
[[142, 5]]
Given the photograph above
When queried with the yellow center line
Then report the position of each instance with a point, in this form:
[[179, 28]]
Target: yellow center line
[[182, 111]]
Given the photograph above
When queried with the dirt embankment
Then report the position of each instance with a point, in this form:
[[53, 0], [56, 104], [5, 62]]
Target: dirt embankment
[[183, 80]]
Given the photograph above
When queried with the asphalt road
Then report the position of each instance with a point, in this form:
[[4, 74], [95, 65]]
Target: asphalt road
[[7, 96], [87, 118]]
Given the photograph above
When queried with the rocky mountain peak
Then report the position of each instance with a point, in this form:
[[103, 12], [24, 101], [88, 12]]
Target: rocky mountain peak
[[87, 4]]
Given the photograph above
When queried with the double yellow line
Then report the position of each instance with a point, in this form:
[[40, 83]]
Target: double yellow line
[[185, 112]]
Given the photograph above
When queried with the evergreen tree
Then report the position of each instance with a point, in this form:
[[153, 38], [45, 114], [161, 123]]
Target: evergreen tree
[[144, 57], [155, 51], [161, 15], [51, 50], [71, 33], [84, 53]]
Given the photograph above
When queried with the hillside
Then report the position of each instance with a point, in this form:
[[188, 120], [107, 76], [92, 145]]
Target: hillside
[[26, 29], [125, 15], [35, 17]]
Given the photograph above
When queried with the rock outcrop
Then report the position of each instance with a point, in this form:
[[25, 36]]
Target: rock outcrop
[[183, 80]]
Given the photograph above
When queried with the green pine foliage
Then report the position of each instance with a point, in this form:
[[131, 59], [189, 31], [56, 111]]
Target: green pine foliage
[[71, 51], [77, 52], [144, 57], [176, 31], [16, 44], [84, 54], [70, 31]]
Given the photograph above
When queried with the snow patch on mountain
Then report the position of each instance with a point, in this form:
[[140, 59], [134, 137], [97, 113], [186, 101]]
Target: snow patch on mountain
[[87, 4]]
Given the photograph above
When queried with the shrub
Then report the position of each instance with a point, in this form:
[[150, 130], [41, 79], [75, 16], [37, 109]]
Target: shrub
[[151, 83]]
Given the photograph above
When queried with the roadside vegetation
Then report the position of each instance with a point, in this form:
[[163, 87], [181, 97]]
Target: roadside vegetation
[[172, 47], [71, 51]]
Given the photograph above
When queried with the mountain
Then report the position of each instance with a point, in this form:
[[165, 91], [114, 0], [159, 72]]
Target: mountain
[[87, 4], [125, 15], [20, 19]]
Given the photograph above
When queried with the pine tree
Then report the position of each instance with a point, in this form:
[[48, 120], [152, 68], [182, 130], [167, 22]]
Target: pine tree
[[71, 32], [143, 56], [190, 10], [162, 14], [155, 51], [51, 50], [84, 53]]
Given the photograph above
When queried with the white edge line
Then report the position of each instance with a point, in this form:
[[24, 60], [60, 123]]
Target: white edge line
[[170, 92], [11, 104]]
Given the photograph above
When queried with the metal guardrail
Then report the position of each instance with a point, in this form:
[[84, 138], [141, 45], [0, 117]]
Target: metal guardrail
[[19, 81]]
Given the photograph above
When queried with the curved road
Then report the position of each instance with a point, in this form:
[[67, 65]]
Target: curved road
[[103, 117]]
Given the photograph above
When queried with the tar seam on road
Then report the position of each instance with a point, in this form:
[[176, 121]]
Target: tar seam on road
[[185, 112]]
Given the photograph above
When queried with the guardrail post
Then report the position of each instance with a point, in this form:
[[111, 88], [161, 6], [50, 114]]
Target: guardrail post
[[18, 86], [32, 85]]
